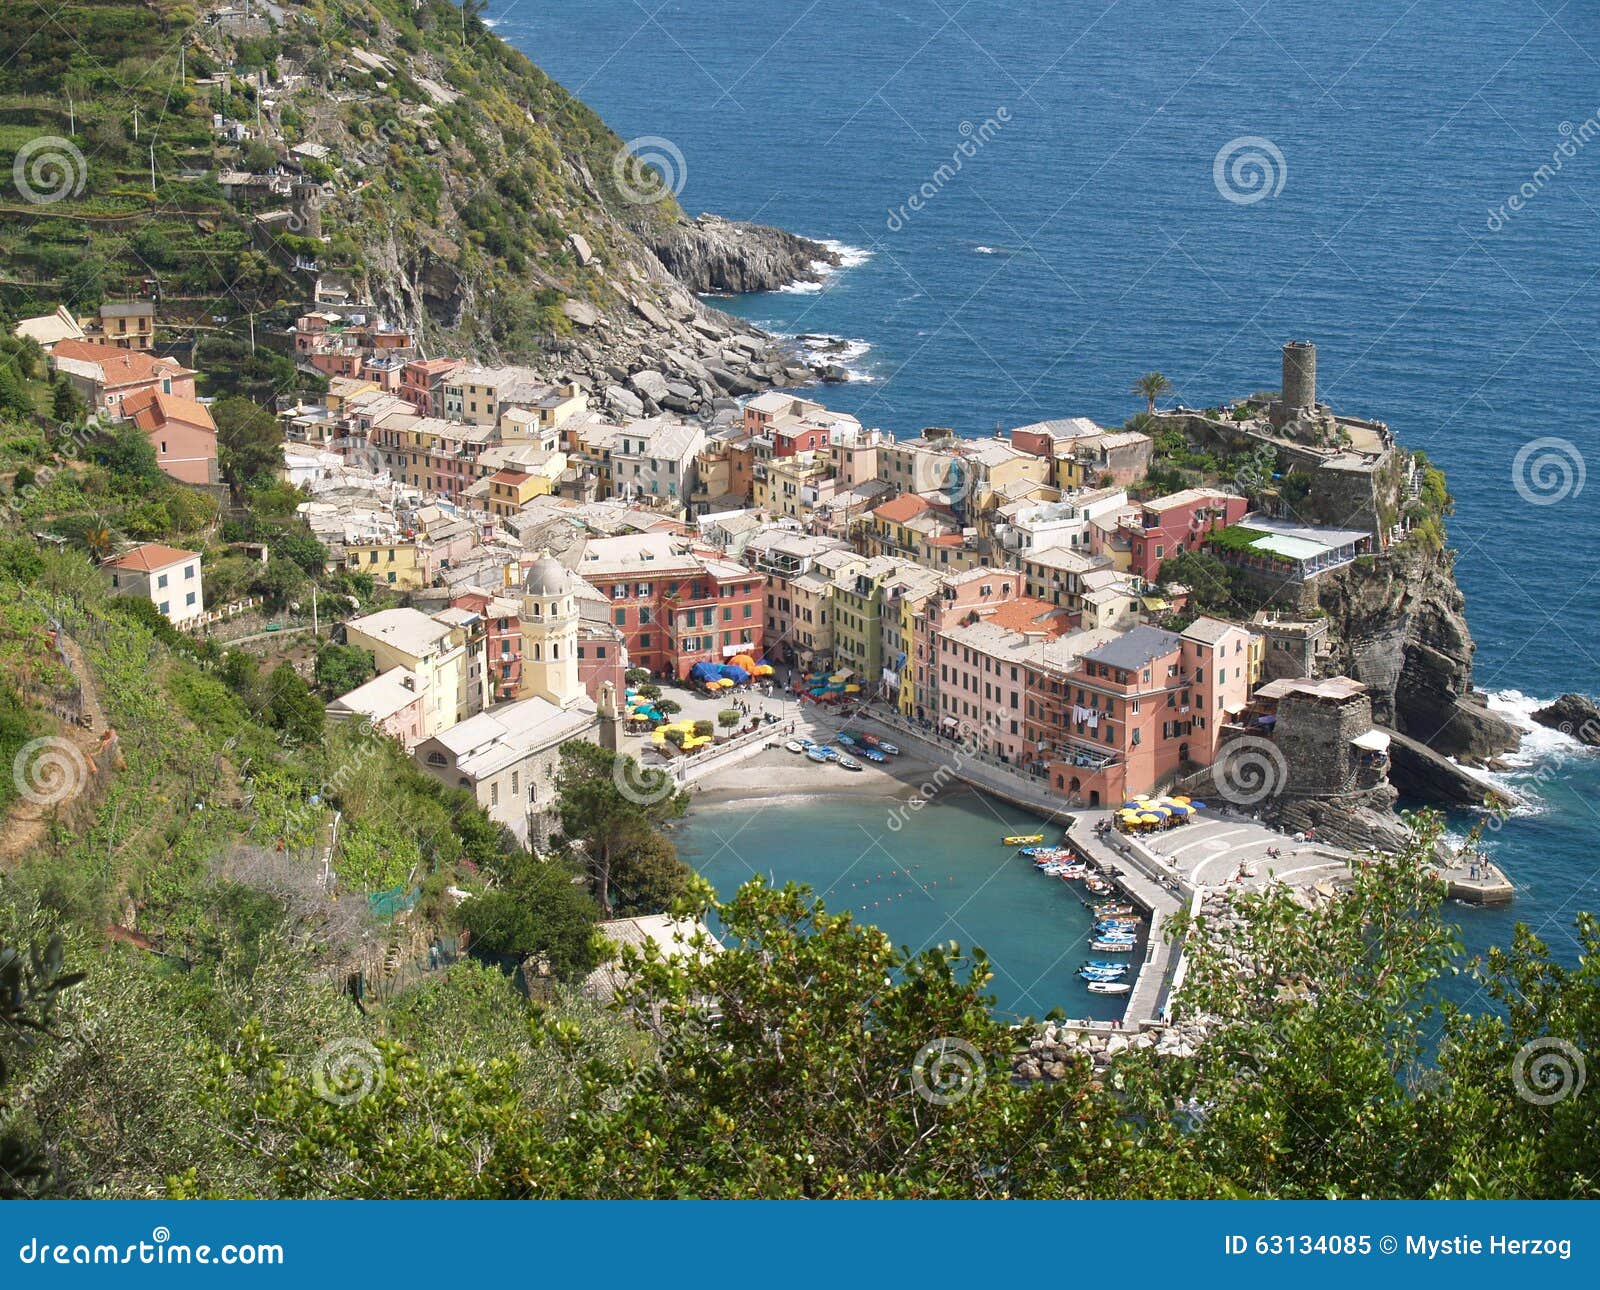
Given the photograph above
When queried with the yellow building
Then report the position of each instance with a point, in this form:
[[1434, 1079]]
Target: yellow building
[[811, 604], [397, 564], [510, 490], [994, 467], [907, 593], [791, 484], [438, 654]]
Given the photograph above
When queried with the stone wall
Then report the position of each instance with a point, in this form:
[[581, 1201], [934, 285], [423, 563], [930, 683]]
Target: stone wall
[[1314, 737]]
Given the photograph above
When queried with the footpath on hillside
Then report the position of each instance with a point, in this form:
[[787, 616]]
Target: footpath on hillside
[[52, 773]]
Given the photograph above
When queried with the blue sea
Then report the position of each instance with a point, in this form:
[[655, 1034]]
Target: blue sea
[[1412, 184]]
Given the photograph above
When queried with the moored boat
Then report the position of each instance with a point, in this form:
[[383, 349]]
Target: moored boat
[[1109, 909], [872, 755], [795, 746], [849, 763], [1021, 839], [1108, 987], [1112, 947], [817, 754]]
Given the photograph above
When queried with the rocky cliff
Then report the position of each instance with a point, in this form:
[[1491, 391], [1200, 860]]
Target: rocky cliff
[[713, 254], [1399, 624]]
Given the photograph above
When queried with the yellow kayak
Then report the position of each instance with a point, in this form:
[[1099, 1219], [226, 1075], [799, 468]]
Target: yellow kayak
[[1021, 839]]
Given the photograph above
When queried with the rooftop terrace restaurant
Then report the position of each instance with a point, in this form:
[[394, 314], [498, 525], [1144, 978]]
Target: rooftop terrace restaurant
[[1295, 551]]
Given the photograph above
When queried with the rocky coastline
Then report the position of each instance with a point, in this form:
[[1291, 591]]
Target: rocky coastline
[[1575, 715], [711, 255]]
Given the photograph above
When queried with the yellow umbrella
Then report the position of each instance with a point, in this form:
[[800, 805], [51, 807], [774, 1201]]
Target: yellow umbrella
[[1149, 817]]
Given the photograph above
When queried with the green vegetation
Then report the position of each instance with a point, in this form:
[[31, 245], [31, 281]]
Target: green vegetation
[[812, 1059], [1150, 387], [1236, 537], [610, 810], [536, 912], [469, 192], [1214, 588]]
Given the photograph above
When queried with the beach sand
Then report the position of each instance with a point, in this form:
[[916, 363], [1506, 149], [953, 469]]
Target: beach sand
[[778, 773]]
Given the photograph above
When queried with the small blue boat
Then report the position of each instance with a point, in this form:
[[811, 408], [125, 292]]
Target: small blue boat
[[817, 754]]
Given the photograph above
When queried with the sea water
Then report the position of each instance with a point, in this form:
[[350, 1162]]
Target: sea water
[[925, 877]]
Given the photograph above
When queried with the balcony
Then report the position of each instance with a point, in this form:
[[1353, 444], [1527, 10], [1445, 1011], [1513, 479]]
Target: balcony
[[1073, 752]]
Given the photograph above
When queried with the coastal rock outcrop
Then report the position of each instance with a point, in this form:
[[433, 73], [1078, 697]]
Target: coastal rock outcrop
[[712, 254], [1400, 626], [1575, 715]]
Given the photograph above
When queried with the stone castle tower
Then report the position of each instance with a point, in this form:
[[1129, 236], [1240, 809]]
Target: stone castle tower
[[1299, 397], [549, 617], [1299, 377]]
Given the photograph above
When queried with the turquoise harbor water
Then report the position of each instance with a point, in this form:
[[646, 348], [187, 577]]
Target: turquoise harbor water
[[1087, 241], [943, 876]]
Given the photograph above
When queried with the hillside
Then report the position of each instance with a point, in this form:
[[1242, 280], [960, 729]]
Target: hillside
[[397, 151]]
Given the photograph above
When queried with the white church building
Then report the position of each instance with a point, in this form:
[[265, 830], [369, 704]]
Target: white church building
[[507, 757]]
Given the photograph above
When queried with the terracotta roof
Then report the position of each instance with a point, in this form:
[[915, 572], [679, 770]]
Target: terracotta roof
[[120, 366], [902, 508], [1026, 614], [152, 556], [151, 409]]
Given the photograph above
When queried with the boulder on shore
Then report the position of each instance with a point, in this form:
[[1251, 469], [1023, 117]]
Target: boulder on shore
[[1575, 715]]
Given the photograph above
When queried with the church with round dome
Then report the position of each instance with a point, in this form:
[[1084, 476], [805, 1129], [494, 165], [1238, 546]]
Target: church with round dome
[[549, 616]]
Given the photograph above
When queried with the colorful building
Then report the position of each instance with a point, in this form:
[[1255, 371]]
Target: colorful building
[[1179, 522], [676, 606]]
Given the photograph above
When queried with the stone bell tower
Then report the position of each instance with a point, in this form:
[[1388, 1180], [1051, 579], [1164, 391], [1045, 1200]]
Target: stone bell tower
[[549, 616]]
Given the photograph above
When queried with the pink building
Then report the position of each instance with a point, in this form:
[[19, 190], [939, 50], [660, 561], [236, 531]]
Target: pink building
[[984, 667], [180, 430], [106, 375], [1179, 522], [1138, 708], [422, 383], [962, 597], [602, 657], [502, 639]]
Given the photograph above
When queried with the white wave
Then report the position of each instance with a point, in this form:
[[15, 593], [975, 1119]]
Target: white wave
[[850, 257], [838, 351], [1539, 743]]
